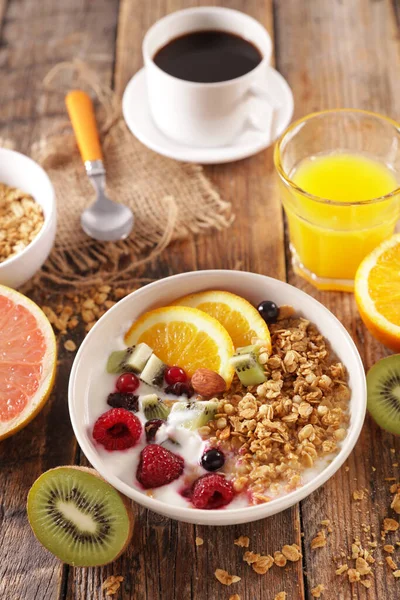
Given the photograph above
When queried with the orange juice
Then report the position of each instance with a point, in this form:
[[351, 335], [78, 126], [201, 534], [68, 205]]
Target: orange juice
[[330, 234]]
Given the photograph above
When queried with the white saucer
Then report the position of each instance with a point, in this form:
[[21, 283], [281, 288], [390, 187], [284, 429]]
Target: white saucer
[[137, 115]]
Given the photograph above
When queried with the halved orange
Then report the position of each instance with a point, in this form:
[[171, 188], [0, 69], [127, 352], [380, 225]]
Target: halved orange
[[377, 292], [27, 360], [186, 337], [240, 318]]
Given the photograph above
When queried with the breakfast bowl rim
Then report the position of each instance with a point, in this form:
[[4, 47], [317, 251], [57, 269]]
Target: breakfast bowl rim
[[214, 516]]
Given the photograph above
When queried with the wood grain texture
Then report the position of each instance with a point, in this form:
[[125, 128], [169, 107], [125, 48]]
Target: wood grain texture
[[333, 54], [344, 54], [34, 37]]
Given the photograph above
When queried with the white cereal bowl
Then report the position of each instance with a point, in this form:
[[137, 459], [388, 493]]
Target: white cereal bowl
[[255, 288], [18, 170]]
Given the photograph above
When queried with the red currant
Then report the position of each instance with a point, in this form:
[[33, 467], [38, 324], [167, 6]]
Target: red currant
[[127, 383], [175, 375]]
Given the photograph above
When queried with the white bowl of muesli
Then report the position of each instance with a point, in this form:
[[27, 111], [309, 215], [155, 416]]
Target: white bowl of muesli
[[28, 217], [187, 413]]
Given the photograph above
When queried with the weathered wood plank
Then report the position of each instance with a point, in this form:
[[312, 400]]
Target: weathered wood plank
[[345, 54], [34, 37], [163, 562]]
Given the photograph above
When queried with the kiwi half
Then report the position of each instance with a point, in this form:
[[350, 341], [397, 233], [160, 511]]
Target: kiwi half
[[383, 397], [79, 517]]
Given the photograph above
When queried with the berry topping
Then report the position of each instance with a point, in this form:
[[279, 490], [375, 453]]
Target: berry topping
[[212, 460], [269, 311], [175, 375], [212, 491], [117, 429], [180, 389], [158, 466], [128, 401], [127, 383], [151, 428]]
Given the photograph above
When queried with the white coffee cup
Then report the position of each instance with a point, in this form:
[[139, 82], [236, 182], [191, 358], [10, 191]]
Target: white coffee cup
[[207, 114]]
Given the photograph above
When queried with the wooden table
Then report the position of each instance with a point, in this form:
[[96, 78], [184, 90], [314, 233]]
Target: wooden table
[[333, 53]]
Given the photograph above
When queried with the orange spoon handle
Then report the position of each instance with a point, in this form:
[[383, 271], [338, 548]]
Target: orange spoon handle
[[81, 113]]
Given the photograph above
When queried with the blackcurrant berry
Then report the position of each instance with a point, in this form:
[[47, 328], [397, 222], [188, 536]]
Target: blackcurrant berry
[[269, 311], [212, 460]]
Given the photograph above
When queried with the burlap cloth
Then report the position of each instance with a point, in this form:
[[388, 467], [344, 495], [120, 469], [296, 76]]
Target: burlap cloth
[[170, 200]]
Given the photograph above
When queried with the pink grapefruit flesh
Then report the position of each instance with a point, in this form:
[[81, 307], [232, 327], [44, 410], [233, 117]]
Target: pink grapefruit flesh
[[27, 360]]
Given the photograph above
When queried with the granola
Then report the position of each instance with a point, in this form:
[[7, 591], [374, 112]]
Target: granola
[[279, 428], [21, 219]]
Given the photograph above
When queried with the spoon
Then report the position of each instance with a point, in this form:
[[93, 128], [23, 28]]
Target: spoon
[[104, 220]]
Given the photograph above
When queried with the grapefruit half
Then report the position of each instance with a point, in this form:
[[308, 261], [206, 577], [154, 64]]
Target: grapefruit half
[[28, 357]]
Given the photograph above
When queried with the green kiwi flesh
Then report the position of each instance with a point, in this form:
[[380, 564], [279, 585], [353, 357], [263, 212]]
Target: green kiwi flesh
[[383, 393], [79, 517]]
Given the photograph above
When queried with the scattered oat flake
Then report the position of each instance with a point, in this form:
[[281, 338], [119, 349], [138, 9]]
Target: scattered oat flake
[[319, 541], [243, 541], [199, 541], [317, 591], [342, 569], [70, 345], [390, 525], [279, 559], [353, 575], [281, 596], [325, 522], [263, 564], [224, 577], [396, 573], [234, 597], [250, 557], [292, 552], [388, 548], [390, 562], [366, 583], [112, 584], [362, 566], [358, 495], [396, 503]]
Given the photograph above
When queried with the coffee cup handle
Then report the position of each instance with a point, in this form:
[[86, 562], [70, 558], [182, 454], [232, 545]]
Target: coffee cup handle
[[256, 92]]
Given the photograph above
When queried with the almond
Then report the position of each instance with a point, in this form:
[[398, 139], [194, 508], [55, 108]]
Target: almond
[[207, 383]]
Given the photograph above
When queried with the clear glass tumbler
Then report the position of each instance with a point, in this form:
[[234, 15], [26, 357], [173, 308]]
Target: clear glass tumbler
[[330, 237]]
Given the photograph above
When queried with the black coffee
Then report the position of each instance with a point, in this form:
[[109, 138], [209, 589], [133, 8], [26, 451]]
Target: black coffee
[[208, 56]]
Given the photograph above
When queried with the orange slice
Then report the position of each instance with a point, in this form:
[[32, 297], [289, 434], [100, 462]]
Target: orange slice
[[241, 320], [27, 360], [377, 292], [186, 337]]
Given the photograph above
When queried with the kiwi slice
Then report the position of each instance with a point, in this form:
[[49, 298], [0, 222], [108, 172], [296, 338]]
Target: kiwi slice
[[116, 361], [383, 393], [153, 372], [138, 358], [193, 415], [153, 407], [245, 362], [133, 359], [79, 517]]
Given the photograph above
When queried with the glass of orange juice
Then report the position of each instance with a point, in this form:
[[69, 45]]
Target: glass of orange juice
[[339, 174]]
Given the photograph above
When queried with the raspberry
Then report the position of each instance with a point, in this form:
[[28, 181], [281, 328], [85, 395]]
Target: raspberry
[[212, 491], [117, 429], [128, 401], [158, 466]]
